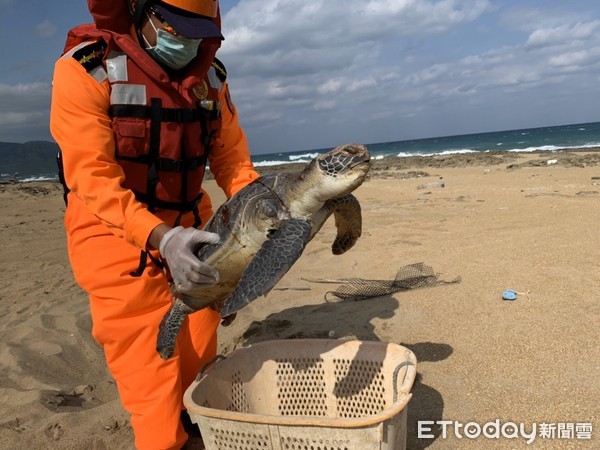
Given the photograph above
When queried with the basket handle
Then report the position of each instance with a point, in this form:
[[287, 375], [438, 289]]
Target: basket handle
[[395, 376], [207, 365]]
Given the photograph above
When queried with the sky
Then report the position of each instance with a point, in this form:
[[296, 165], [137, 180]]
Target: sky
[[317, 74]]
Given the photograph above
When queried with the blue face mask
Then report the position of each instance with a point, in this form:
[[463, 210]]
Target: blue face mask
[[173, 51]]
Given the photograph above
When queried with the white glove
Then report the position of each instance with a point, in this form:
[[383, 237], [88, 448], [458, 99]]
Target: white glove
[[177, 246]]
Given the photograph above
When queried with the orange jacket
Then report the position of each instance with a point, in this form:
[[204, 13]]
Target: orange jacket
[[80, 124]]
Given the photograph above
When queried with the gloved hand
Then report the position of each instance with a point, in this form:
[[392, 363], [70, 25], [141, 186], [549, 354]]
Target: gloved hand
[[177, 246]]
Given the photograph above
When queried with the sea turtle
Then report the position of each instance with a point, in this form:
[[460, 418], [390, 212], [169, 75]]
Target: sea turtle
[[264, 229]]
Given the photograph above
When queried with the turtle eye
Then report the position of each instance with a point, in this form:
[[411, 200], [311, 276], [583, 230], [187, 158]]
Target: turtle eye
[[269, 209]]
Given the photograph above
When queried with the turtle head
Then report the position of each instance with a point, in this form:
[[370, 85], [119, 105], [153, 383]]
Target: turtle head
[[340, 170]]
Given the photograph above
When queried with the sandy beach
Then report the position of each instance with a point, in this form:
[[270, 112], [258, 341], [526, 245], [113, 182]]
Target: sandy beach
[[526, 222]]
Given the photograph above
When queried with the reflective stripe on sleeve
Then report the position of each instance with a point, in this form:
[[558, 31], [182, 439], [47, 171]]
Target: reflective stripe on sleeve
[[98, 73]]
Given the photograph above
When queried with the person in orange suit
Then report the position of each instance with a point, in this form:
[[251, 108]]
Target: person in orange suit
[[140, 107]]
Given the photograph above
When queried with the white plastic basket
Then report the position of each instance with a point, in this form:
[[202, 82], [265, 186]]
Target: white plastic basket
[[305, 394]]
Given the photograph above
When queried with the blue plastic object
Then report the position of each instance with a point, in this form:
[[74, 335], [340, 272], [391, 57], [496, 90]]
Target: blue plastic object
[[509, 295]]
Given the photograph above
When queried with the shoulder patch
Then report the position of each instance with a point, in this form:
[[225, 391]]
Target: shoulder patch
[[91, 55], [220, 70]]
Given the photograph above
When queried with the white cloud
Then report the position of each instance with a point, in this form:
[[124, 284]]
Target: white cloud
[[310, 52], [13, 95], [312, 68], [21, 118], [307, 74], [564, 34], [21, 88], [297, 36], [46, 29], [324, 105], [331, 86], [529, 19], [577, 58], [25, 111]]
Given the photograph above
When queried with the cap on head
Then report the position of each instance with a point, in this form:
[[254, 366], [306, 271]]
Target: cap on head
[[207, 8], [191, 18]]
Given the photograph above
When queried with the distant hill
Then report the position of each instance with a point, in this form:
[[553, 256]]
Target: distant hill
[[31, 159]]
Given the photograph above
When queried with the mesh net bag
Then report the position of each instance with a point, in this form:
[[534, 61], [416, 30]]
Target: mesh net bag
[[412, 276]]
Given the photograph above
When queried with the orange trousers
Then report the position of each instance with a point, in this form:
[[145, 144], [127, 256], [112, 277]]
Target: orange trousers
[[126, 312]]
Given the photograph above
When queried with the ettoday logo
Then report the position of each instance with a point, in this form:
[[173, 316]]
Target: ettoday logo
[[507, 430]]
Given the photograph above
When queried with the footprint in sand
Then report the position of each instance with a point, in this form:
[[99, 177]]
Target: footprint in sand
[[54, 432]]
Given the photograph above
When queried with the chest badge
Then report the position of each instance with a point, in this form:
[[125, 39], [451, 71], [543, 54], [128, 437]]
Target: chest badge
[[200, 90]]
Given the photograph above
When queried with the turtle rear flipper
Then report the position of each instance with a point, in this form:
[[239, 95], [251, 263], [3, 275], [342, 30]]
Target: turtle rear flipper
[[270, 264], [169, 328]]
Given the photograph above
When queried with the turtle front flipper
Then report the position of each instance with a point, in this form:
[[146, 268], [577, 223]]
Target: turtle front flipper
[[348, 222], [169, 328], [270, 264]]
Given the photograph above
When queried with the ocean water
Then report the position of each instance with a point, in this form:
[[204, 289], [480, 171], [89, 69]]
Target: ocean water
[[584, 135]]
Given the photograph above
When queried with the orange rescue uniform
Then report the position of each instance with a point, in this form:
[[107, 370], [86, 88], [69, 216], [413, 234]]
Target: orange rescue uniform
[[106, 230]]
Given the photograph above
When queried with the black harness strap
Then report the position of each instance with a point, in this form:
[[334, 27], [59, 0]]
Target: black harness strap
[[184, 175], [61, 176], [197, 220], [168, 165], [152, 182], [144, 255], [195, 211], [206, 113], [173, 206], [181, 115], [141, 266], [155, 116]]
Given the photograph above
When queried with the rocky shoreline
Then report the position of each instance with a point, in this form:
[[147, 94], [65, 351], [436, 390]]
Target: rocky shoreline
[[391, 165]]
